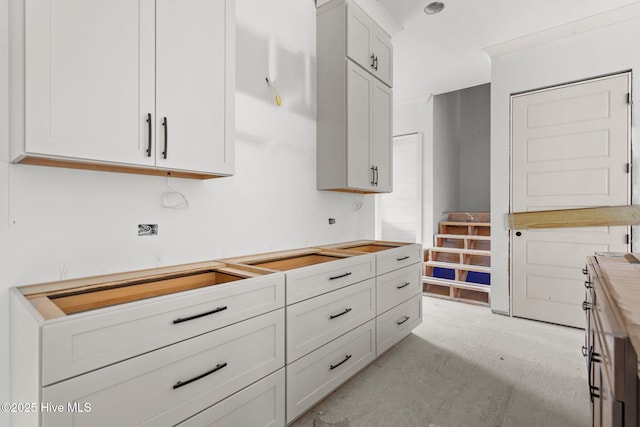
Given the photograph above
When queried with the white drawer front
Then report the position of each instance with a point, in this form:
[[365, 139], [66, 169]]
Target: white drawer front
[[317, 374], [397, 323], [307, 282], [397, 286], [169, 385], [393, 259], [88, 341], [316, 321], [259, 405]]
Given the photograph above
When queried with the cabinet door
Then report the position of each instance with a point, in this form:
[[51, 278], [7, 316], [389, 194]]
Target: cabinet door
[[381, 147], [89, 79], [359, 36], [359, 166], [383, 56], [195, 85]]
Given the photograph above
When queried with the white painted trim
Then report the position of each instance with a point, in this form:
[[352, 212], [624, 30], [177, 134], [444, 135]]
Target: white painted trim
[[410, 102], [583, 25], [377, 12]]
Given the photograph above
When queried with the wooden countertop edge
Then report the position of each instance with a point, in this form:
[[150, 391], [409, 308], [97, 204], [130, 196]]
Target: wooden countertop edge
[[631, 328], [129, 276]]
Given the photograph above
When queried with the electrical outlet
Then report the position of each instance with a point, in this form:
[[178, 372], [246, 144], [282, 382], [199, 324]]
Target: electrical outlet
[[147, 229]]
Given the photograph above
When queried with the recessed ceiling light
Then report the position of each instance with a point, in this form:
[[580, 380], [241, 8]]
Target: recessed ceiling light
[[433, 8]]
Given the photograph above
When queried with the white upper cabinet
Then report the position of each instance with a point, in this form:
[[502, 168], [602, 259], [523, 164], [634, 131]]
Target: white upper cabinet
[[368, 45], [354, 101], [101, 79], [191, 71]]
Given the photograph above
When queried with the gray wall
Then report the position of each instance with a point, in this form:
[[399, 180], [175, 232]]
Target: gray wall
[[461, 151]]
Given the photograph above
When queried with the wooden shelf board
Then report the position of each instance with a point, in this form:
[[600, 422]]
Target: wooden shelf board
[[466, 267]]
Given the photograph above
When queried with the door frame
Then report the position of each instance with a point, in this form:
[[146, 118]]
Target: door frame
[[629, 73], [419, 189]]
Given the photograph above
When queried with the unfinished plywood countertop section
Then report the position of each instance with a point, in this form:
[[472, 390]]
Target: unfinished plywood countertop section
[[622, 275]]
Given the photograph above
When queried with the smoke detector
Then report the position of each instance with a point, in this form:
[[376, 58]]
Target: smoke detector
[[433, 8]]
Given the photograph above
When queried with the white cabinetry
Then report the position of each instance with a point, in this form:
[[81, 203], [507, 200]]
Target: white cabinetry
[[156, 360], [354, 101], [141, 86], [368, 45]]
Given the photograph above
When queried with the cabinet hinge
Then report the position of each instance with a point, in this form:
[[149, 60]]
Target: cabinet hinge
[[629, 100], [627, 168]]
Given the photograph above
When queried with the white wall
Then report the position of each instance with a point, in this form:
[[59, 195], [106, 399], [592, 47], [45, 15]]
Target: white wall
[[602, 51], [71, 223], [417, 116]]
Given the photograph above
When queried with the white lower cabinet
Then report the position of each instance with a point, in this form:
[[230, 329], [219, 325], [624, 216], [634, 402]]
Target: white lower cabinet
[[316, 321], [91, 340], [397, 323], [398, 286], [168, 385], [312, 377], [260, 405]]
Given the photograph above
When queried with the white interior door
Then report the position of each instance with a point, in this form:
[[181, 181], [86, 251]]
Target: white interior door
[[570, 149], [399, 214]]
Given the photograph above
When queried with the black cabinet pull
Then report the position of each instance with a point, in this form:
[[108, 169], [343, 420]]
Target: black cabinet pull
[[149, 129], [197, 316], [403, 258], [588, 284], [375, 170], [216, 369], [333, 316], [404, 285], [585, 271], [586, 305], [375, 66], [373, 175], [372, 60], [403, 320], [166, 137], [340, 276], [590, 373], [585, 352], [347, 357]]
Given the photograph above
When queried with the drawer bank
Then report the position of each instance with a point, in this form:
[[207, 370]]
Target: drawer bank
[[253, 340]]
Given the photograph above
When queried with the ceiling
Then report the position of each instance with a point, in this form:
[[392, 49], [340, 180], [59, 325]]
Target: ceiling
[[440, 53]]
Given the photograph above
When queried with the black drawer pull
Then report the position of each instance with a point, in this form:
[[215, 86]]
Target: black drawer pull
[[197, 316], [588, 284], [347, 357], [404, 285], [403, 320], [586, 305], [340, 276], [216, 369], [403, 258], [585, 271], [149, 128], [585, 351], [333, 316], [591, 392]]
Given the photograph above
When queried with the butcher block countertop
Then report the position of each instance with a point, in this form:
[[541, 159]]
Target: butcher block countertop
[[622, 274]]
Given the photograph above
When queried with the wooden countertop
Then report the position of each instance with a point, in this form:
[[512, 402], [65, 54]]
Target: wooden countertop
[[623, 279]]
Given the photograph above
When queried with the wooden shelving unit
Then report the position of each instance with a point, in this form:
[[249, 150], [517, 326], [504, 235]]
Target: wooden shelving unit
[[462, 246]]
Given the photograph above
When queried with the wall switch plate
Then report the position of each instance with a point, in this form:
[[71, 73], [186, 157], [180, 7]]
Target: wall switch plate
[[147, 229]]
